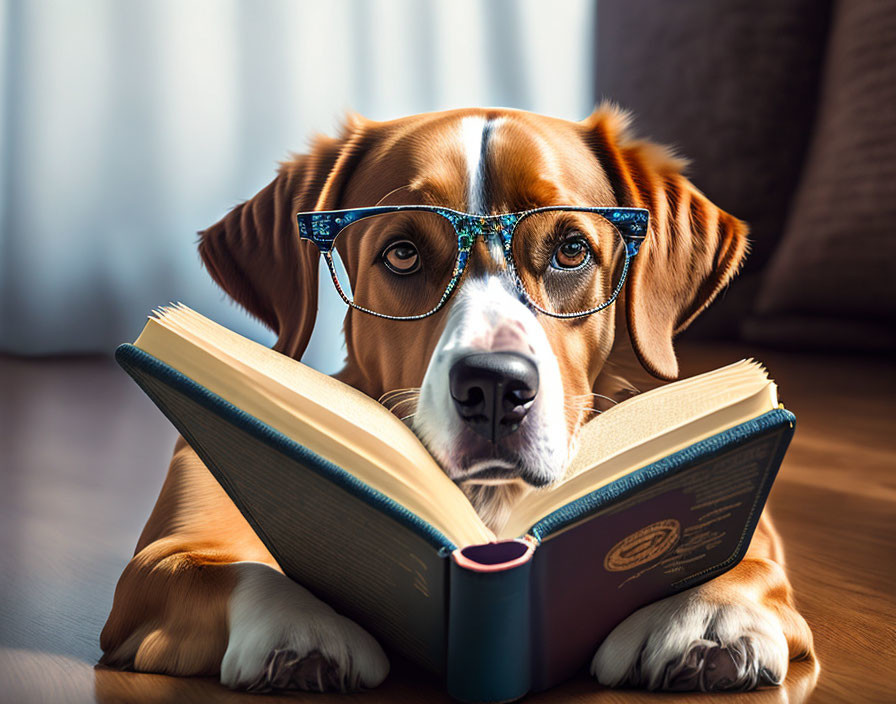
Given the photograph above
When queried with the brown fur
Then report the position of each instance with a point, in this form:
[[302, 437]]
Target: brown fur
[[170, 609]]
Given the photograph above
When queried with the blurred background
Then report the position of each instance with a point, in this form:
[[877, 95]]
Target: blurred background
[[128, 125]]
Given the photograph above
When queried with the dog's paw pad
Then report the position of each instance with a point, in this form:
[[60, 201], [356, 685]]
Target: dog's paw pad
[[710, 667], [688, 643], [313, 672]]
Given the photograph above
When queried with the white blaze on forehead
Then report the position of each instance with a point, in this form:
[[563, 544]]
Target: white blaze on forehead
[[475, 135], [472, 130]]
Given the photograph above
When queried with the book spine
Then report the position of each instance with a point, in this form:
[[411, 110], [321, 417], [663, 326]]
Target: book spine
[[489, 622]]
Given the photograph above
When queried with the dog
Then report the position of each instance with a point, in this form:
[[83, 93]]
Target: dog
[[202, 596]]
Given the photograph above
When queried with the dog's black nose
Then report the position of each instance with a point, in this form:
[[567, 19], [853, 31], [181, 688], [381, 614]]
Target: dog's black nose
[[493, 391]]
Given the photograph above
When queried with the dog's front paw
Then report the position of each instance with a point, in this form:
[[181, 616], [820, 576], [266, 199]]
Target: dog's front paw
[[282, 637], [691, 642]]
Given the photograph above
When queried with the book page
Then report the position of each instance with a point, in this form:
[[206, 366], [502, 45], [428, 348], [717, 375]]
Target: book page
[[647, 428], [330, 418], [356, 433]]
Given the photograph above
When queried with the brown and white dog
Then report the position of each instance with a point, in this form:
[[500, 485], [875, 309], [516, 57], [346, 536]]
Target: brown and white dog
[[203, 596]]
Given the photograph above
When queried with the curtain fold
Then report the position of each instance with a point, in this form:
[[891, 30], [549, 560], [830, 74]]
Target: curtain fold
[[126, 127]]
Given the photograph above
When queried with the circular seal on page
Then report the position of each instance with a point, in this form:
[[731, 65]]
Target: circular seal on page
[[643, 546]]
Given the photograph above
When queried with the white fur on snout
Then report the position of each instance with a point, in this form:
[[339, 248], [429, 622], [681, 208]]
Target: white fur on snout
[[656, 637], [268, 611], [485, 316]]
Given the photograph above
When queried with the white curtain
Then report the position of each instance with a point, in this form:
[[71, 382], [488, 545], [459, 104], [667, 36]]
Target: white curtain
[[128, 125]]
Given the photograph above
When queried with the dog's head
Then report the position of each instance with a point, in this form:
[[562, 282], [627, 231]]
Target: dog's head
[[531, 377]]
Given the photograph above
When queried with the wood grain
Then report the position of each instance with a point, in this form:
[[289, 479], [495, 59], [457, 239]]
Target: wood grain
[[83, 454]]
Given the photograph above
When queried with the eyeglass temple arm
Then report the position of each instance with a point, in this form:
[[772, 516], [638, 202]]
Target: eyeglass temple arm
[[633, 243], [634, 229], [318, 227]]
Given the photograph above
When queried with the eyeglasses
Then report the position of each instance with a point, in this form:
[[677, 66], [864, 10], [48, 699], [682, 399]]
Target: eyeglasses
[[403, 262]]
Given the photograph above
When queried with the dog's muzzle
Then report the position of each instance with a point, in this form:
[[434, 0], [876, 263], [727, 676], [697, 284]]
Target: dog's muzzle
[[493, 391]]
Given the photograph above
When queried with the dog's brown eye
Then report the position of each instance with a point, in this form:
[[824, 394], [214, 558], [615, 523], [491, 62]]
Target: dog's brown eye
[[571, 254], [401, 257]]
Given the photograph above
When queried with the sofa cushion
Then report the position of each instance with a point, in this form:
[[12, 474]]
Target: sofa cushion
[[832, 281], [733, 87]]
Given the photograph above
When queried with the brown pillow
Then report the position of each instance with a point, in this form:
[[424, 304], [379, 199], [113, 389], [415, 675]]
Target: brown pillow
[[832, 281]]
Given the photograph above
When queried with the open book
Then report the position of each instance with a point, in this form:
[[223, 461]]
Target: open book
[[664, 492]]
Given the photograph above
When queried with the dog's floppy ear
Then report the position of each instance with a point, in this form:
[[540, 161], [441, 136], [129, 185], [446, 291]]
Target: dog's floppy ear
[[254, 252], [692, 250]]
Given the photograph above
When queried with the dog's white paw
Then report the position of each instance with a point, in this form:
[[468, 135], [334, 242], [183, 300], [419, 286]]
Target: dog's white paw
[[282, 637], [691, 642]]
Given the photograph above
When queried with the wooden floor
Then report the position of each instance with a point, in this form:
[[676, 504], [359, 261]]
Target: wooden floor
[[83, 455]]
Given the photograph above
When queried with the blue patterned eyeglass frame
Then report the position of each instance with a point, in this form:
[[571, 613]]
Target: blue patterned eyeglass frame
[[322, 227]]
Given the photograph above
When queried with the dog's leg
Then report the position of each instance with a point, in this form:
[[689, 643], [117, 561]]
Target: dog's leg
[[735, 632], [202, 596]]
